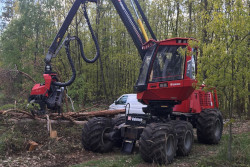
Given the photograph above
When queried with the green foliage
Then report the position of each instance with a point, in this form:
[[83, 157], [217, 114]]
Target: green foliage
[[240, 150], [21, 104], [7, 106], [11, 141], [78, 90], [31, 107], [224, 63]]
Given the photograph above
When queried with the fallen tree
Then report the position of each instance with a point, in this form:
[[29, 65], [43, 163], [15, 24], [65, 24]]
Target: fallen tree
[[74, 117]]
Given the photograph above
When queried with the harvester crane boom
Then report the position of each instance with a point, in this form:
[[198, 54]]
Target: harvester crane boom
[[59, 36], [50, 94], [140, 22], [126, 18], [145, 20]]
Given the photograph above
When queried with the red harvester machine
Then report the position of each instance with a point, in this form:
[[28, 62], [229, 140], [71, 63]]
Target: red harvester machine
[[166, 84]]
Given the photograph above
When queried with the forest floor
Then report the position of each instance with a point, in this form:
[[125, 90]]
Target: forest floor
[[67, 150]]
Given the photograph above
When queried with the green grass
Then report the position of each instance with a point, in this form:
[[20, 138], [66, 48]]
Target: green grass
[[114, 161], [240, 153]]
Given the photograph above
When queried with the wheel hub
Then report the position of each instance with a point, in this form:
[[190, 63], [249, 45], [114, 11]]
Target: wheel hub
[[105, 138], [188, 140], [170, 146], [217, 130]]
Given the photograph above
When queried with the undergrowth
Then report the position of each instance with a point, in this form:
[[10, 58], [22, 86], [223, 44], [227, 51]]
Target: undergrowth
[[14, 138], [7, 106], [11, 141], [240, 152]]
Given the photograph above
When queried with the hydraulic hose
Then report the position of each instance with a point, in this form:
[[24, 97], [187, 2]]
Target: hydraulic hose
[[67, 42], [73, 77], [93, 37]]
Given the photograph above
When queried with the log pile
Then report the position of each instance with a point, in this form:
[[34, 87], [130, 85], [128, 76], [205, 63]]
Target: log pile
[[75, 117]]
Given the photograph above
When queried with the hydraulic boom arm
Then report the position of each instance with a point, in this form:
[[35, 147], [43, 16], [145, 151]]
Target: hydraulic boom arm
[[126, 18], [50, 94]]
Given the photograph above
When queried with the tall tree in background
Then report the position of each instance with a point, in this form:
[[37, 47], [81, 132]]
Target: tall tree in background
[[228, 67], [7, 12], [24, 39]]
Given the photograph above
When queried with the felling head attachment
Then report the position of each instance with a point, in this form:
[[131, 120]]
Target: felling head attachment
[[47, 95]]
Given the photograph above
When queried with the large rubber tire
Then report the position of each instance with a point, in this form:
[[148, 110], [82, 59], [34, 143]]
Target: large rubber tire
[[118, 120], [116, 123], [158, 143], [209, 126], [93, 135], [185, 137]]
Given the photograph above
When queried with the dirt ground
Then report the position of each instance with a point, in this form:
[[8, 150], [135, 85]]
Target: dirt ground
[[67, 150]]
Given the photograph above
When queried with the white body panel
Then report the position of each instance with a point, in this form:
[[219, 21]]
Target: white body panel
[[129, 100]]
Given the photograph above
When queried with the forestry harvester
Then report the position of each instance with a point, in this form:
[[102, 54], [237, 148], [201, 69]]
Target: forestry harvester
[[166, 84]]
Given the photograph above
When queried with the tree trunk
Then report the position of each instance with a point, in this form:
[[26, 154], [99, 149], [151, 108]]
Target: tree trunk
[[177, 17], [190, 17], [248, 107], [205, 21], [231, 112], [98, 17]]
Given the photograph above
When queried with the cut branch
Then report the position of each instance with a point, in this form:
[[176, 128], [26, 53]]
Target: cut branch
[[17, 110], [26, 75]]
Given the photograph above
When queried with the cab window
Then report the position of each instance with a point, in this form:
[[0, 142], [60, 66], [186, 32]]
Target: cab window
[[191, 64], [168, 64]]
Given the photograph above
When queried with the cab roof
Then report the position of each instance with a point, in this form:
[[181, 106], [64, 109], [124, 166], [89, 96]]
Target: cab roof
[[170, 41]]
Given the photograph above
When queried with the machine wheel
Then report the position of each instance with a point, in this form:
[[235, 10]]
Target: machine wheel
[[209, 126], [158, 143], [93, 135], [185, 137], [116, 122]]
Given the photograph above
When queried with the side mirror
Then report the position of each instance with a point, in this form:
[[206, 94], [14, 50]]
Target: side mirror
[[116, 102]]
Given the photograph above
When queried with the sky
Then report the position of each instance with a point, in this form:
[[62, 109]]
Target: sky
[[1, 5]]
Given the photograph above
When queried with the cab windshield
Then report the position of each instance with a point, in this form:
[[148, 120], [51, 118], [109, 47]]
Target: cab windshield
[[168, 64], [145, 66]]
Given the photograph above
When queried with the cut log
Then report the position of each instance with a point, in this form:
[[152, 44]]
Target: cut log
[[96, 113], [53, 133], [32, 145], [74, 117], [85, 115], [25, 120]]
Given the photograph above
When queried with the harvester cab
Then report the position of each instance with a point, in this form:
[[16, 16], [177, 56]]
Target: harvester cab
[[167, 75]]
